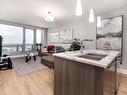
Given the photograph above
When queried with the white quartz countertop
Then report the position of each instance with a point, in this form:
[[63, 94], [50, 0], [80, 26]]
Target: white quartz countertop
[[104, 62]]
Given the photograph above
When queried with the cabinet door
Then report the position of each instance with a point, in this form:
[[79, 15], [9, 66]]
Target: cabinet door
[[61, 85], [118, 60], [67, 77], [74, 76], [110, 79]]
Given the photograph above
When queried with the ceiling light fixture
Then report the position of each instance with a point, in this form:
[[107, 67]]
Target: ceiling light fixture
[[49, 17], [78, 8], [99, 21], [91, 16]]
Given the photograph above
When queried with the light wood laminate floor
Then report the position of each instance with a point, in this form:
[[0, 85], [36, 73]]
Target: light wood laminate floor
[[36, 83], [123, 85]]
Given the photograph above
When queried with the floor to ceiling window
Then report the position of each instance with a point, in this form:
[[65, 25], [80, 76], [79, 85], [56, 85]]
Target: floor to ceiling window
[[29, 39], [38, 36], [12, 38]]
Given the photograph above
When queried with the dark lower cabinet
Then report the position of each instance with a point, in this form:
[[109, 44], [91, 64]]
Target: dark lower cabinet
[[109, 82], [118, 78], [74, 78]]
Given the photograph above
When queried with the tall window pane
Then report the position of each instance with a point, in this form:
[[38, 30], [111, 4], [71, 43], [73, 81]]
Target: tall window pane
[[12, 38], [11, 34], [29, 39], [38, 36]]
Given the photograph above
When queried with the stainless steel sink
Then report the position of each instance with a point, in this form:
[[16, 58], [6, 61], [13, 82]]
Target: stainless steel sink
[[93, 56]]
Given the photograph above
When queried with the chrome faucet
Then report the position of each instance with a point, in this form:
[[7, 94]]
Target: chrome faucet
[[83, 46]]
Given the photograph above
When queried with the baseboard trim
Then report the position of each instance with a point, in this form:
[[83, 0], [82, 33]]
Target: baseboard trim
[[122, 71]]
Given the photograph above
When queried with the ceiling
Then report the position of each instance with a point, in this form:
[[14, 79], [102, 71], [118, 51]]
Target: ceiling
[[32, 12]]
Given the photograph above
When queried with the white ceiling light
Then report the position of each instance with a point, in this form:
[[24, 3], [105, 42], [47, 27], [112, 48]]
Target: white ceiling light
[[91, 16], [99, 21], [49, 17], [78, 8]]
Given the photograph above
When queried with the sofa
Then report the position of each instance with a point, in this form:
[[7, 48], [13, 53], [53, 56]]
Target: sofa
[[47, 57]]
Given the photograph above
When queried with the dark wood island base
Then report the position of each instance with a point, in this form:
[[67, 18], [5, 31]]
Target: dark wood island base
[[75, 78]]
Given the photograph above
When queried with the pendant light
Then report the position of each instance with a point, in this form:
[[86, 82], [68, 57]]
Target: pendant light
[[91, 16], [78, 8], [49, 17], [99, 24]]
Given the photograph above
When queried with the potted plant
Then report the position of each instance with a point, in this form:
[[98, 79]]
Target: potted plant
[[75, 44]]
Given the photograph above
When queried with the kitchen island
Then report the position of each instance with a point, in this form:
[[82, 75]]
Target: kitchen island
[[93, 72]]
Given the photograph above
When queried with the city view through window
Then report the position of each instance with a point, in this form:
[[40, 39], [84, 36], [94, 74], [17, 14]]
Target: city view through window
[[13, 37]]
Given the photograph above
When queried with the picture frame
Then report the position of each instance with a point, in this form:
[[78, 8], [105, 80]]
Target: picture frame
[[66, 36], [110, 35], [54, 37]]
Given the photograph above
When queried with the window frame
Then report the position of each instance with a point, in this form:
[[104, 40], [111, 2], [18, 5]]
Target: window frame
[[24, 37]]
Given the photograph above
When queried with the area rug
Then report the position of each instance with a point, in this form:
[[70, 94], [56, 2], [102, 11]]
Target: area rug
[[23, 68]]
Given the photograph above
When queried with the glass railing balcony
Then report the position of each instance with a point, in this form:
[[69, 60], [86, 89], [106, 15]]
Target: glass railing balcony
[[8, 49]]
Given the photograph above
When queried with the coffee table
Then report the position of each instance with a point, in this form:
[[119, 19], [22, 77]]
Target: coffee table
[[30, 56]]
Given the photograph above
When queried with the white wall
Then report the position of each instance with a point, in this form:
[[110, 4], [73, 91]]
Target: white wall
[[117, 12], [83, 29]]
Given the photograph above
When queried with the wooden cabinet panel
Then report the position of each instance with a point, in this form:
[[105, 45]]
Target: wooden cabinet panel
[[110, 79], [58, 77], [87, 80], [99, 72], [61, 81], [74, 78]]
